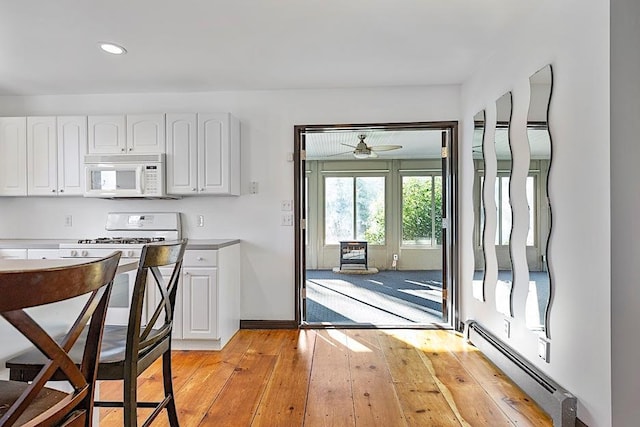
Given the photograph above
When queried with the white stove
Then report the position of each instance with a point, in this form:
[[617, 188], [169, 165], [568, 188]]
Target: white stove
[[127, 232]]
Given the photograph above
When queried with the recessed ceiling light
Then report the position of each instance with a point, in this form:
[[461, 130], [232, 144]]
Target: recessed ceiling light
[[112, 48]]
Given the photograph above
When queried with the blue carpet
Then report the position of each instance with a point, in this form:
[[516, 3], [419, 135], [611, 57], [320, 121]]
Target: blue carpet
[[385, 298]]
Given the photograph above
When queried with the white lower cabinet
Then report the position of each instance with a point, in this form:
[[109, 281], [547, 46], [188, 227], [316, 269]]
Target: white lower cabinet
[[207, 311], [200, 303]]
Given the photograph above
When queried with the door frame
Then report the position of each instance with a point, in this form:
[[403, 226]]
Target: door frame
[[451, 271]]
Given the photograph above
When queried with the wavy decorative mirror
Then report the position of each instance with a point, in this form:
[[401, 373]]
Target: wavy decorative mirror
[[504, 284], [477, 154], [540, 290]]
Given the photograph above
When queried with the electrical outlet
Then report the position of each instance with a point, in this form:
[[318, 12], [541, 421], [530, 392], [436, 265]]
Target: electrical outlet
[[507, 328], [286, 220], [68, 220], [253, 187], [395, 257], [543, 349]]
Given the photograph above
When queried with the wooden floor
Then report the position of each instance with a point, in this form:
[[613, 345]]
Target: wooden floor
[[338, 377]]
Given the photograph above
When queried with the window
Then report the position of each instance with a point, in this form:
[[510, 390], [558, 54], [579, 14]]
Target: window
[[503, 231], [422, 210], [354, 209]]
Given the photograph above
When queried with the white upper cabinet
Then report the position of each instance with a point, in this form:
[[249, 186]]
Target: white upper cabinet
[[13, 156], [42, 156], [133, 133], [72, 146], [107, 135], [182, 154], [55, 151], [145, 133], [203, 154]]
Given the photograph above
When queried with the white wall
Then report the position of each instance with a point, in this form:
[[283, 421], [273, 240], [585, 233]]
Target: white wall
[[625, 210], [267, 121], [573, 36]]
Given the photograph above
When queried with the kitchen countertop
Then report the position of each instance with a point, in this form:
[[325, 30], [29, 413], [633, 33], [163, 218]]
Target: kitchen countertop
[[201, 244]]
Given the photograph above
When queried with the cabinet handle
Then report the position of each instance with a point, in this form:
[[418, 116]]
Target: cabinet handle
[[131, 149], [202, 189], [62, 190], [122, 149], [193, 189], [200, 258], [53, 191]]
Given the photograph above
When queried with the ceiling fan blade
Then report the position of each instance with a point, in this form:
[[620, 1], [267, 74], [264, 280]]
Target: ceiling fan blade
[[347, 145], [339, 154], [385, 147]]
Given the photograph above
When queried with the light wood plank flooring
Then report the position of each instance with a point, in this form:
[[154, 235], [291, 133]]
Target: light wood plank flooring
[[338, 377]]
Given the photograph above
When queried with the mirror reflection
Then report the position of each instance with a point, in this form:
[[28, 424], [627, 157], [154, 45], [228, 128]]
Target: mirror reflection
[[539, 293], [477, 148], [503, 205]]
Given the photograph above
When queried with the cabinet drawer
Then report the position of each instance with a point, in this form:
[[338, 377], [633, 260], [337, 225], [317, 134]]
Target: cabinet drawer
[[204, 258]]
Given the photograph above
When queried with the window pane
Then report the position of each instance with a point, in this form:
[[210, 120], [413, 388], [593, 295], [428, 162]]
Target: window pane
[[437, 209], [338, 209], [505, 211], [370, 209], [532, 209], [421, 210]]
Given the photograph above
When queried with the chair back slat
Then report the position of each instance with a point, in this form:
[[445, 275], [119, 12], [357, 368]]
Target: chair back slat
[[31, 288], [158, 327]]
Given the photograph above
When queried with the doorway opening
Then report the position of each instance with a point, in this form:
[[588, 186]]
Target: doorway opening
[[375, 216]]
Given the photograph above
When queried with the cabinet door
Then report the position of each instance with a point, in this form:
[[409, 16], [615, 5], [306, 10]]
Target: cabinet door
[[213, 153], [199, 303], [13, 156], [182, 154], [145, 133], [218, 154], [72, 146], [42, 156], [107, 134]]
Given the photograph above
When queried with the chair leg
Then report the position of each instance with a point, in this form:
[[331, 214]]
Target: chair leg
[[168, 389], [130, 399]]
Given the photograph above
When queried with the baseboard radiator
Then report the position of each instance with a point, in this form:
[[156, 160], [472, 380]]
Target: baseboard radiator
[[557, 402]]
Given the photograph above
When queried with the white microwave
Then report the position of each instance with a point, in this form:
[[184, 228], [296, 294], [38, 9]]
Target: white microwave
[[124, 175]]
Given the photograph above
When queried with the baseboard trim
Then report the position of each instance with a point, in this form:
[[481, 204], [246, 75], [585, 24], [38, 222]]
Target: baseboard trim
[[268, 324]]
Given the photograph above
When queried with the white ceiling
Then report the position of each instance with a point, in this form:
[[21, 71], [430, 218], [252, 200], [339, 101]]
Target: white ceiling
[[51, 47], [416, 144]]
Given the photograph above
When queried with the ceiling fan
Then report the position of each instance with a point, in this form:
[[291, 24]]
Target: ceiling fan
[[363, 151]]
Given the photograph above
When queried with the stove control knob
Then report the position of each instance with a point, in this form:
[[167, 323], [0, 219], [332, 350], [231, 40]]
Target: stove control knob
[[73, 253], [85, 253]]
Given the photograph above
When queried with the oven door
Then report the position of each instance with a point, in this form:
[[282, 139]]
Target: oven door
[[120, 301], [114, 180]]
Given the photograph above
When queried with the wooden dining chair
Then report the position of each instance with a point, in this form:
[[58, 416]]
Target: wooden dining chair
[[35, 404], [129, 350]]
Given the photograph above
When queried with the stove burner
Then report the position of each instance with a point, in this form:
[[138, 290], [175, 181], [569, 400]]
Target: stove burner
[[122, 240]]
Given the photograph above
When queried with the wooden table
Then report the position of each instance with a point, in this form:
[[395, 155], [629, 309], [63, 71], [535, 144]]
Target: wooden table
[[124, 266]]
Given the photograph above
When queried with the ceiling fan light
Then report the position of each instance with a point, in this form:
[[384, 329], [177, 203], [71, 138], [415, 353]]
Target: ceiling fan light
[[361, 155]]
